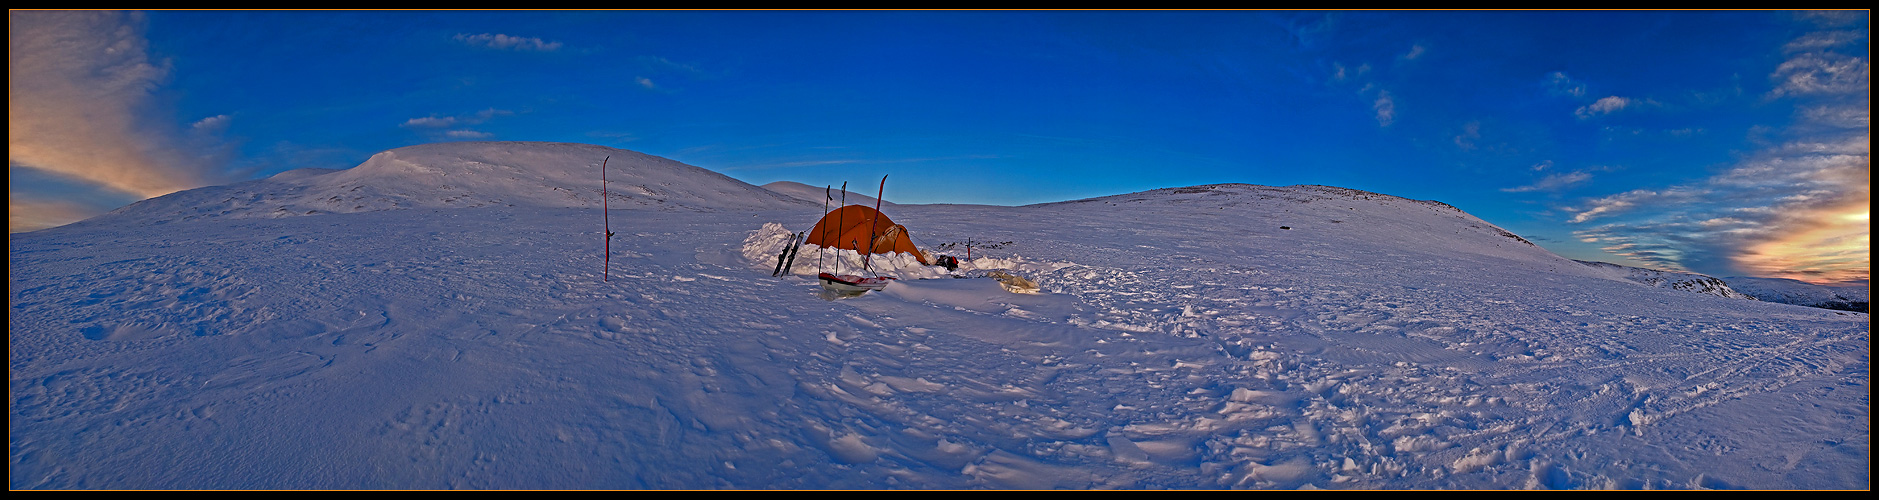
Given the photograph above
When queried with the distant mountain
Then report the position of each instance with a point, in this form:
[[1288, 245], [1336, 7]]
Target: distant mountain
[[1338, 221], [468, 175], [1801, 293], [814, 194], [1689, 282]]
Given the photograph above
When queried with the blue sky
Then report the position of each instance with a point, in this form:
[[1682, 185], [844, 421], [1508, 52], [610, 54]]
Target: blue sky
[[1728, 143]]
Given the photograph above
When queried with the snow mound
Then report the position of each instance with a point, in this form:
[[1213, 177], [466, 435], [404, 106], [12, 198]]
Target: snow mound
[[469, 175], [1689, 282]]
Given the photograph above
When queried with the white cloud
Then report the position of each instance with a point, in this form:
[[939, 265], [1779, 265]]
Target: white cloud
[[1553, 183], [1822, 73], [645, 82], [1414, 52], [1386, 108], [1821, 40], [1838, 116], [1833, 18], [213, 123], [431, 122], [1613, 204], [1603, 106], [501, 41], [435, 121]]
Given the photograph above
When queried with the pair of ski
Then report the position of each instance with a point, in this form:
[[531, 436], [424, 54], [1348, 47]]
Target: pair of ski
[[787, 259]]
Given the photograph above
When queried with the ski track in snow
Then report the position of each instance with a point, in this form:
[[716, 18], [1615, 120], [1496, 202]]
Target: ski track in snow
[[480, 348]]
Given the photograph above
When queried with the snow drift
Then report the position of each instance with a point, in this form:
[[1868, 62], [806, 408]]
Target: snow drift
[[1689, 282]]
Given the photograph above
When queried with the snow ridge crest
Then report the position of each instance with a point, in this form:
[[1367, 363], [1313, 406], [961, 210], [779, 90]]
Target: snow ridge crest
[[470, 175]]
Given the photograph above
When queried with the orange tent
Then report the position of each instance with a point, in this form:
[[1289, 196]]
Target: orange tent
[[854, 226]]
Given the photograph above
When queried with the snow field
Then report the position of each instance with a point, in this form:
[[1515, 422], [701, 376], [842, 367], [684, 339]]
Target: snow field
[[1181, 339]]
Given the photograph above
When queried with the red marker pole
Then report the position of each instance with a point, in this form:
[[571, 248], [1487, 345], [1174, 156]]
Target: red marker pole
[[606, 262]]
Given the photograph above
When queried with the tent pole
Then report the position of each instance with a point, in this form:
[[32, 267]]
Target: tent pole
[[840, 228], [822, 238], [873, 220]]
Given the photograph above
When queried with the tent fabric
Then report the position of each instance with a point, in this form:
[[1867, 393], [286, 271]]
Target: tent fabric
[[855, 227]]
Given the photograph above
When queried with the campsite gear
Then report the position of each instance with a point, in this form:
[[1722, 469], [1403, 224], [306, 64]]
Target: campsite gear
[[779, 259], [795, 245], [851, 284], [1013, 283], [847, 227], [950, 263]]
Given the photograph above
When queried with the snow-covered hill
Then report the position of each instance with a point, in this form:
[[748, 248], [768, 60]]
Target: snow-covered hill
[[469, 175], [1689, 282], [1212, 337], [1801, 293], [814, 194]]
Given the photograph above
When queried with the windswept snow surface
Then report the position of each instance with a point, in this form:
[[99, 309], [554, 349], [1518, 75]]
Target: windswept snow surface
[[1182, 339]]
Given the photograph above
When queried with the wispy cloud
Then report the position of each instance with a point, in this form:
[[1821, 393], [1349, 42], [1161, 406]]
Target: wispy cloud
[[1798, 208], [1559, 83], [1470, 133], [1822, 73], [81, 83], [1622, 202], [1821, 40], [660, 64], [1415, 51], [1838, 116], [430, 122], [849, 161], [1386, 108], [78, 80], [1553, 182], [213, 123], [506, 42], [434, 125], [1606, 105]]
